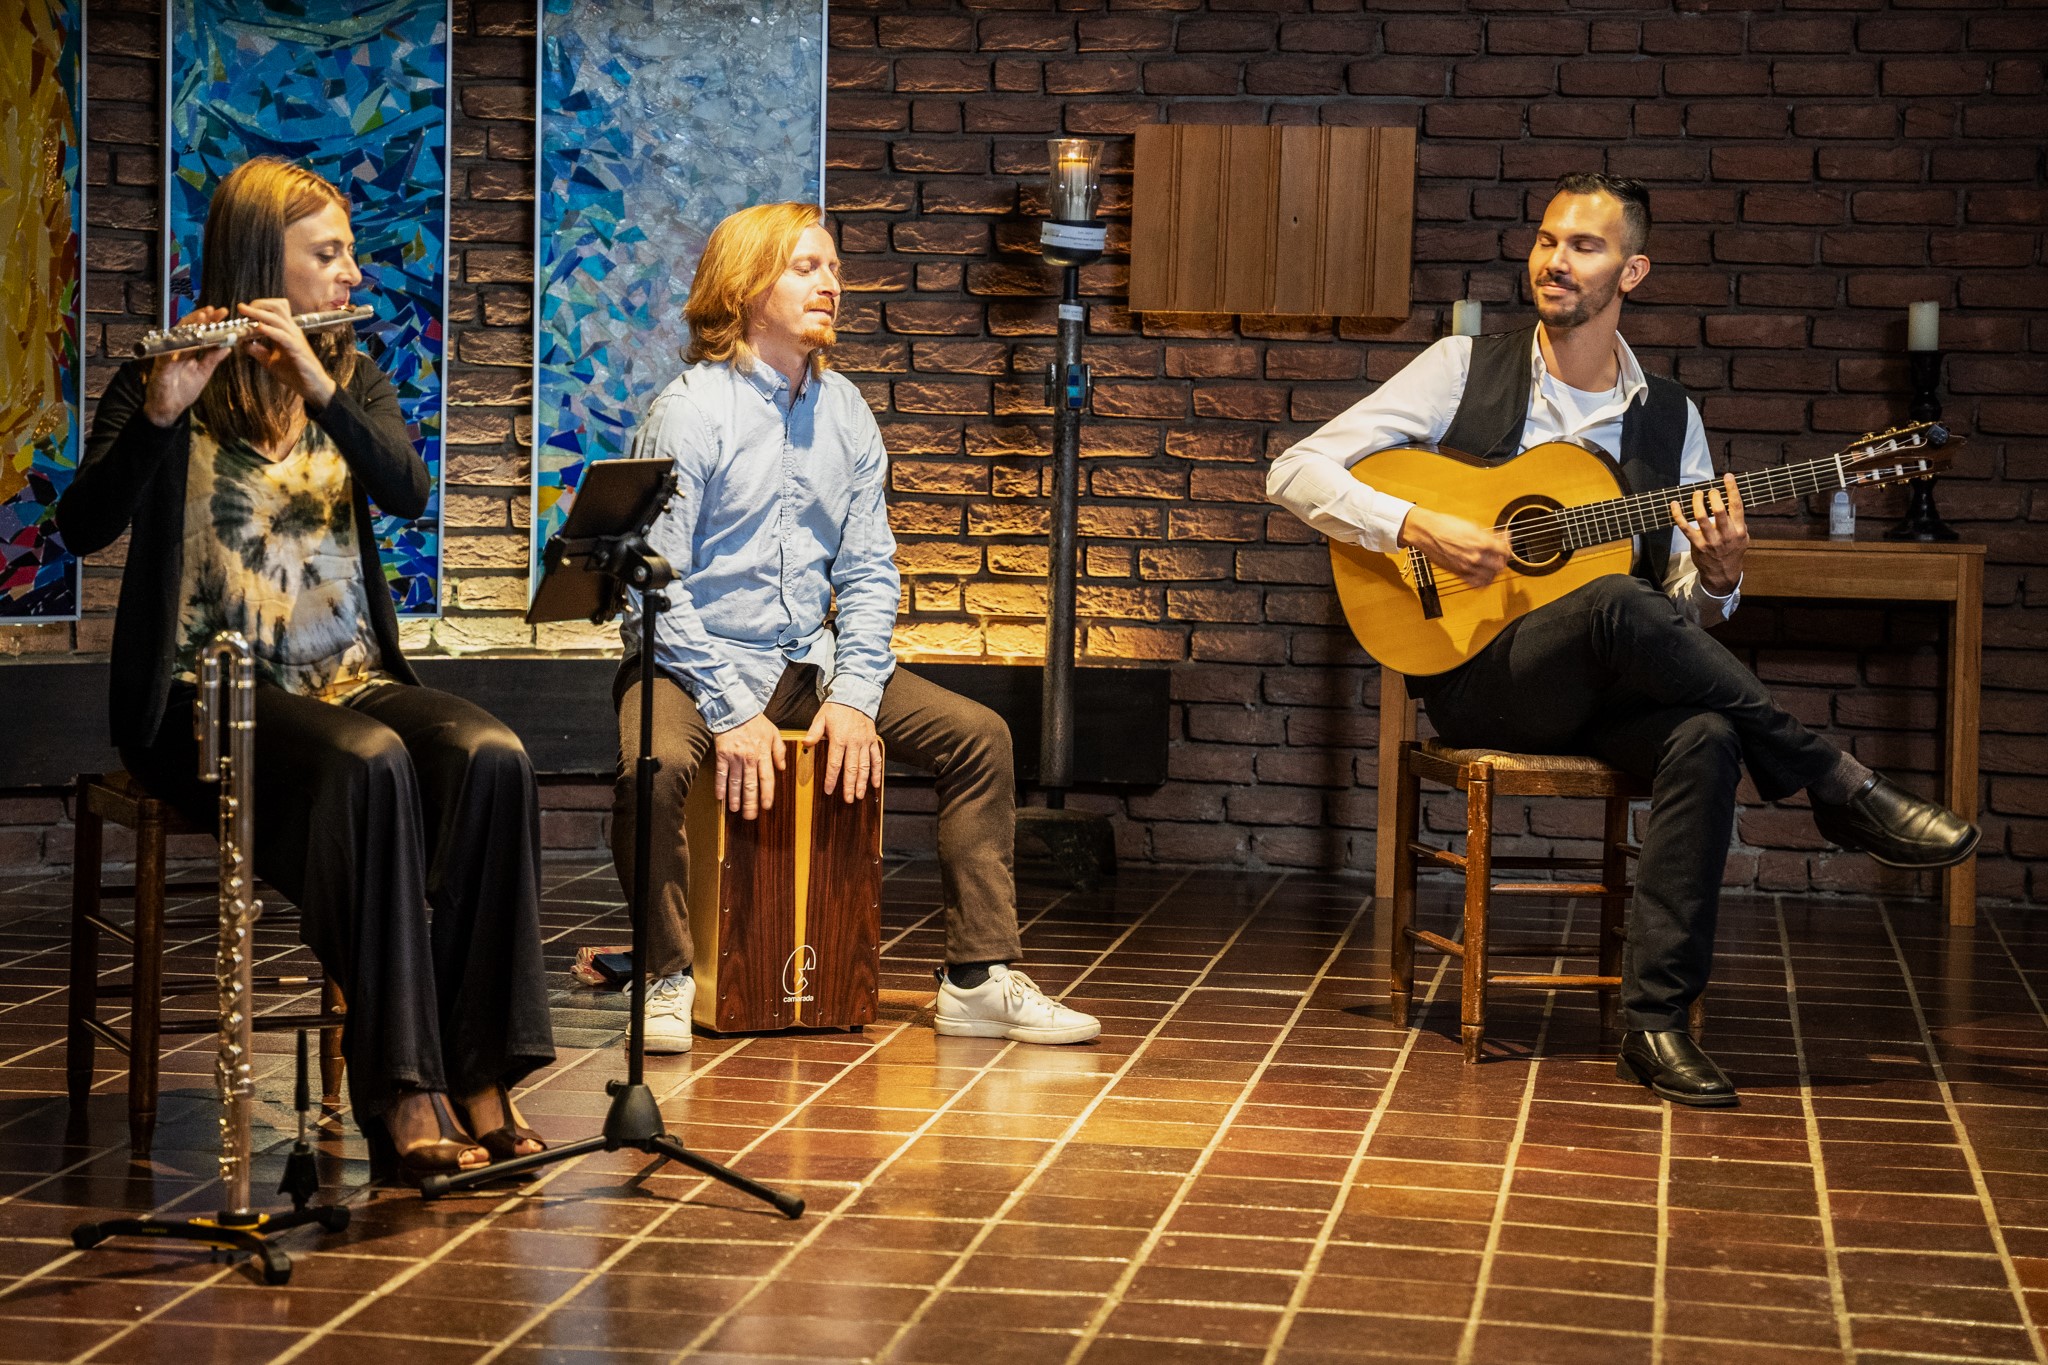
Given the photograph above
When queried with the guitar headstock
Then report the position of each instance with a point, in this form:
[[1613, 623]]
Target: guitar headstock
[[1914, 451]]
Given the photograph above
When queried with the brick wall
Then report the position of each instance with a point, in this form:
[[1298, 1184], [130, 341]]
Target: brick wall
[[1813, 169]]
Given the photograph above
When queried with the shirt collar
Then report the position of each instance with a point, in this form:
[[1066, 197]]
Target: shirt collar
[[771, 384], [1632, 381]]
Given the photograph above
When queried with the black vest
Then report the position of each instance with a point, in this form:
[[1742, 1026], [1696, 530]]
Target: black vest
[[1488, 425]]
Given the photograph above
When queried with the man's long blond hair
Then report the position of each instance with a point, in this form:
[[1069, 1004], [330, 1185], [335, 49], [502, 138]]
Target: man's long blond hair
[[746, 255]]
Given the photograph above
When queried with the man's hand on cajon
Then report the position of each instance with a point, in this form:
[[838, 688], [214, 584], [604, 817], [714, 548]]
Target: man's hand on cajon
[[749, 756], [850, 744]]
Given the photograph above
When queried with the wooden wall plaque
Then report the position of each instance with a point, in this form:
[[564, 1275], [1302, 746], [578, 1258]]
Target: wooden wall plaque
[[786, 908], [1253, 219]]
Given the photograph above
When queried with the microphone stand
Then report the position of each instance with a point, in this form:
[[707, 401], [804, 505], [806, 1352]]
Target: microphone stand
[[634, 1120]]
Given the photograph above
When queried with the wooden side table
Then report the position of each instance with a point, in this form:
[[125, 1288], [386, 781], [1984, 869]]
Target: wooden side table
[[1870, 570]]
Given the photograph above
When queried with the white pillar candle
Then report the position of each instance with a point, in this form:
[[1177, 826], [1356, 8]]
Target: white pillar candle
[[1465, 318], [1923, 326]]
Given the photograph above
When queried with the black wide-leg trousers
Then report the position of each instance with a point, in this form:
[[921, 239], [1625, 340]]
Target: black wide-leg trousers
[[404, 824], [1615, 670]]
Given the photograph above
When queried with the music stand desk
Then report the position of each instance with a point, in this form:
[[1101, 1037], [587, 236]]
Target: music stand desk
[[1809, 569]]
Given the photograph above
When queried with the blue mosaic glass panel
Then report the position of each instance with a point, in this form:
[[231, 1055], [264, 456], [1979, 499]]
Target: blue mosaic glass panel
[[656, 121], [42, 203], [358, 93]]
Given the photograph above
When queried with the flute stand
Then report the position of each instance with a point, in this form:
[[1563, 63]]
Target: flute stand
[[250, 1233]]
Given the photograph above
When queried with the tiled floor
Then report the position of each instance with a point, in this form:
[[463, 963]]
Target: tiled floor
[[1252, 1164]]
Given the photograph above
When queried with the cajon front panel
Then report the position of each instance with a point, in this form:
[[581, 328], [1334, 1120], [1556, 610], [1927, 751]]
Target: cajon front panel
[[786, 908]]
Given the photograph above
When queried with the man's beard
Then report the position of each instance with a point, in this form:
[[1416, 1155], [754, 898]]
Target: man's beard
[[1577, 309], [819, 336]]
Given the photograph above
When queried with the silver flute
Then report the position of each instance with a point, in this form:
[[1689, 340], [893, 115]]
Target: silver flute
[[233, 766], [228, 331]]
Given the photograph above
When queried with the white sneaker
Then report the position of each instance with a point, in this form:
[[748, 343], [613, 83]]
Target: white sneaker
[[670, 1000], [1010, 1005]]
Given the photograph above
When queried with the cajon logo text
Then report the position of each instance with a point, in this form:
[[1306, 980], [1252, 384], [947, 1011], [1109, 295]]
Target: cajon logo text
[[797, 973]]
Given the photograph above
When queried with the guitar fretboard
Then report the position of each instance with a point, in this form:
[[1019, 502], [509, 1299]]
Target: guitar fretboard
[[1601, 523]]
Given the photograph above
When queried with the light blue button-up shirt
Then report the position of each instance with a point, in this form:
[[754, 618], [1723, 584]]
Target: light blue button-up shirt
[[780, 508]]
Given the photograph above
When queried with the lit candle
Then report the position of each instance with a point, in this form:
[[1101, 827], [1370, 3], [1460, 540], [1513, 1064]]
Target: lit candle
[[1923, 326], [1465, 318]]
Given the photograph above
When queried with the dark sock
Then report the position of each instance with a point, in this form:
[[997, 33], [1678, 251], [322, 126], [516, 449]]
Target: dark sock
[[1840, 782], [967, 975]]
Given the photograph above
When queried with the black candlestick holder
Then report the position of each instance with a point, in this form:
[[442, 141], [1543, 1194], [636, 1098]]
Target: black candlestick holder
[[1922, 521]]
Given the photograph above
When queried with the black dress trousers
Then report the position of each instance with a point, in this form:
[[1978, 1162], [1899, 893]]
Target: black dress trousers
[[1615, 670], [404, 824]]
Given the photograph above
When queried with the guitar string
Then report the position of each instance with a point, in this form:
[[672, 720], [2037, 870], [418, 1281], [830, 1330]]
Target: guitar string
[[1587, 524], [1590, 524]]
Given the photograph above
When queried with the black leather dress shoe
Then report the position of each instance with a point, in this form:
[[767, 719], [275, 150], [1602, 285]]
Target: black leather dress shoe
[[1896, 827], [1671, 1064]]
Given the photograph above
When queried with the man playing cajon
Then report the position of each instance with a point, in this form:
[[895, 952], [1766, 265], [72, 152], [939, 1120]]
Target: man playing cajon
[[781, 615]]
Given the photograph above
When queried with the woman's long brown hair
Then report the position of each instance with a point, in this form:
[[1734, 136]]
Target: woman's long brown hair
[[244, 261]]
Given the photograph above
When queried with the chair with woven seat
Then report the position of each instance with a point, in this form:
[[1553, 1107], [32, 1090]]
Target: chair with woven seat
[[1485, 775], [119, 799]]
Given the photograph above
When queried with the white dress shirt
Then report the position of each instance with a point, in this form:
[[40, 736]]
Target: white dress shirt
[[1312, 478]]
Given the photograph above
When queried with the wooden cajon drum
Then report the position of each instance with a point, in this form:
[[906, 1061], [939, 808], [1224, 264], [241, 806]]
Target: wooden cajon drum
[[786, 908]]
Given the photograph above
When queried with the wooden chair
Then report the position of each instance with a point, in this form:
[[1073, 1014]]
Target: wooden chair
[[1483, 775], [119, 799]]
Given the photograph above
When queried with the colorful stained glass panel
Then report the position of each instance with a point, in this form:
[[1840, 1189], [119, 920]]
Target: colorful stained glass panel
[[358, 93], [42, 205], [656, 121]]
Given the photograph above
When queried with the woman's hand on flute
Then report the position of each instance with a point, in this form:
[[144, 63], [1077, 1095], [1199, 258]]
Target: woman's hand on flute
[[280, 347], [176, 379]]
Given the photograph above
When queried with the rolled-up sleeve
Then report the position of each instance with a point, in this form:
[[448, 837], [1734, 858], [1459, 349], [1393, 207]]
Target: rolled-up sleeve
[[1312, 478]]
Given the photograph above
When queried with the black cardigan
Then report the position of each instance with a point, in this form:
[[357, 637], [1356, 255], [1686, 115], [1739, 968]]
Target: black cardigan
[[134, 471]]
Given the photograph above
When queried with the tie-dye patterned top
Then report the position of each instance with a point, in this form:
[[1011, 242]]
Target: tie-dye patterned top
[[270, 551]]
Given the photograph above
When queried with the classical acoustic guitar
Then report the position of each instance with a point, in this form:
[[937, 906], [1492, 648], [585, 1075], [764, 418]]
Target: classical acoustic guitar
[[1568, 520]]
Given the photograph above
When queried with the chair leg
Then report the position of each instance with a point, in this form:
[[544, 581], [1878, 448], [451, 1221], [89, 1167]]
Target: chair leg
[[1478, 899], [83, 1005], [1401, 948], [146, 1000], [1614, 907], [1696, 1018], [330, 1046]]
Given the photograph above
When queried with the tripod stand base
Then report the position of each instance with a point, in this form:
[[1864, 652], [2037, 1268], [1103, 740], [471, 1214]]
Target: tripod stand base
[[633, 1123], [252, 1237]]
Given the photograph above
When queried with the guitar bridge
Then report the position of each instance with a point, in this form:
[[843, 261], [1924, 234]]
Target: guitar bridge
[[1425, 585]]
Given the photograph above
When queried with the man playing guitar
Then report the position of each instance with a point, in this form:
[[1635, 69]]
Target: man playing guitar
[[1621, 668]]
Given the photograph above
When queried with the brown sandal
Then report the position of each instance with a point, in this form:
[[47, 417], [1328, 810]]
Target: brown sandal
[[503, 1141], [440, 1155]]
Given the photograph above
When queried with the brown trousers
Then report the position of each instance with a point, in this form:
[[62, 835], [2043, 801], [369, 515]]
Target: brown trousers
[[963, 743]]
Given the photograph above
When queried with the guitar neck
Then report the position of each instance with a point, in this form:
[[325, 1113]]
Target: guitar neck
[[1602, 523]]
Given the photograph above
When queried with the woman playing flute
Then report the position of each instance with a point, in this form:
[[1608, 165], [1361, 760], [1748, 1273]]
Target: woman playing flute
[[401, 820]]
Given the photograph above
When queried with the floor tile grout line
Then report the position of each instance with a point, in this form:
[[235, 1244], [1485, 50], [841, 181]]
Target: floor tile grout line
[[1060, 1144], [1992, 1222], [1297, 1299], [165, 1209], [1816, 1152], [487, 1219], [867, 1182], [1468, 1340], [1136, 1262], [1991, 923], [865, 1054], [1660, 1307], [513, 1200]]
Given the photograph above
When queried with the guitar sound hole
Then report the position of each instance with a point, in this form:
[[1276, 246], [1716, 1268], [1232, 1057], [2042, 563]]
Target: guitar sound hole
[[1535, 537]]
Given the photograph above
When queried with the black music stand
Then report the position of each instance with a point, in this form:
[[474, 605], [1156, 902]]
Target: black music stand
[[586, 568]]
